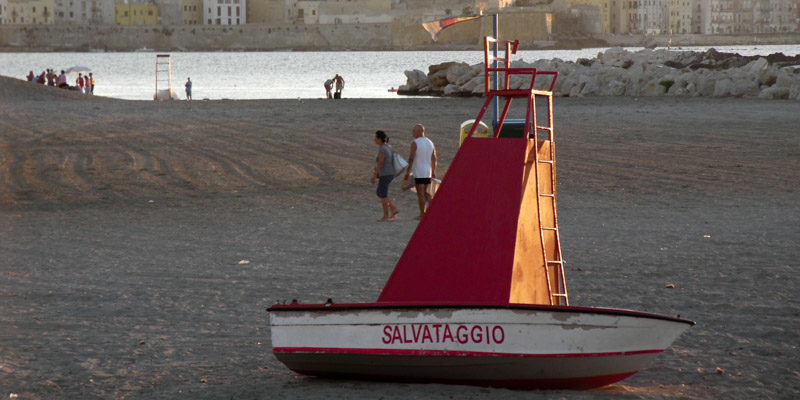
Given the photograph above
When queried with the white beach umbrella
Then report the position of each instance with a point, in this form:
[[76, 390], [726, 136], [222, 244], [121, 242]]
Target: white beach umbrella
[[77, 69]]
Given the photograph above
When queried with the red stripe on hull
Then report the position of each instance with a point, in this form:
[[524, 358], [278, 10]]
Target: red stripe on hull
[[448, 353]]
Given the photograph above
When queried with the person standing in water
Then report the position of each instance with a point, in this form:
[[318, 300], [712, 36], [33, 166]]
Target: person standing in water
[[339, 82], [188, 86], [384, 173]]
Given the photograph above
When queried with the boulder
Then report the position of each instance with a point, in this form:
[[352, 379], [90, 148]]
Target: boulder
[[439, 78], [452, 89], [459, 73], [774, 92], [473, 83], [416, 80], [722, 87], [440, 67]]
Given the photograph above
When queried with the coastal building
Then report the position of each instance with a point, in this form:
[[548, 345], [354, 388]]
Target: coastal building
[[170, 12], [680, 16], [304, 11], [654, 16], [192, 12], [136, 12], [225, 12], [784, 16], [85, 12], [355, 12], [266, 11], [437, 8], [629, 20], [611, 16], [27, 12]]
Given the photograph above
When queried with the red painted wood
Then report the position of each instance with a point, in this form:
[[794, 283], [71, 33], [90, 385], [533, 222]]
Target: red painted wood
[[448, 353], [463, 249]]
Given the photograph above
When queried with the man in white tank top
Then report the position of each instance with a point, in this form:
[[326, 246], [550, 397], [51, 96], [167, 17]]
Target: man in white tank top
[[423, 165]]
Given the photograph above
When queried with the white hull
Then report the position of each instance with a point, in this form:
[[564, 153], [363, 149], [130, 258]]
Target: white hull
[[509, 346]]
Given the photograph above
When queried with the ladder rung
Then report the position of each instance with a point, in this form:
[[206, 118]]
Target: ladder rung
[[547, 128], [560, 294], [549, 228], [547, 195], [546, 161], [555, 261]]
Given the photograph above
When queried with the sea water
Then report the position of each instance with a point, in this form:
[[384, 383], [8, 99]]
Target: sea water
[[278, 74]]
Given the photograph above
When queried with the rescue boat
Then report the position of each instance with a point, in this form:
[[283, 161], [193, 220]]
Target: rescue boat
[[479, 296]]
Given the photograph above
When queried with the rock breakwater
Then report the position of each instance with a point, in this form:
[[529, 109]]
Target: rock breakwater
[[619, 72]]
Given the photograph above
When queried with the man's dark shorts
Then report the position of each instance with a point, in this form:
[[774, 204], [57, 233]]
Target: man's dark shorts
[[422, 181]]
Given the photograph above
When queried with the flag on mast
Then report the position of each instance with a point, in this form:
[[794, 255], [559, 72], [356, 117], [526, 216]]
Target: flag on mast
[[436, 27]]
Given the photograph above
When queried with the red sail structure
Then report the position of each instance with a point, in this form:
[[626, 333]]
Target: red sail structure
[[490, 235], [435, 28]]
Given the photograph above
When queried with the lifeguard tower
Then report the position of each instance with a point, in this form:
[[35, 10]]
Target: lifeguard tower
[[163, 78]]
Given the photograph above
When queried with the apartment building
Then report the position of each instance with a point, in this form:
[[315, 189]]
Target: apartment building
[[192, 12], [131, 12], [27, 12], [267, 11], [681, 14], [85, 12], [225, 12]]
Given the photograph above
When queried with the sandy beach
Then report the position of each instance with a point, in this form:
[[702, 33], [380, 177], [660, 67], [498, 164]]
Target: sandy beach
[[141, 242]]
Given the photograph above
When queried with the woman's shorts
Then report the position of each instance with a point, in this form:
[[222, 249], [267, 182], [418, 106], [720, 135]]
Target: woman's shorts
[[422, 181], [383, 186]]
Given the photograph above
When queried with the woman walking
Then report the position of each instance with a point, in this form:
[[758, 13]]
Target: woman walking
[[384, 173]]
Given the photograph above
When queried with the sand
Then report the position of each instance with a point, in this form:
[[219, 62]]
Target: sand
[[141, 242]]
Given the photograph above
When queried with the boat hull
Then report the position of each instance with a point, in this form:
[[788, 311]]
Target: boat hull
[[514, 346]]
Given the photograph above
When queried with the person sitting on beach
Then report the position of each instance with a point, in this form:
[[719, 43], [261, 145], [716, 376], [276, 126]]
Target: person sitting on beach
[[30, 76], [62, 80], [384, 173], [328, 86], [41, 79]]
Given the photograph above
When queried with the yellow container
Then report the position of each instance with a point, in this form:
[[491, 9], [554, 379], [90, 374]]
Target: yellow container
[[481, 131]]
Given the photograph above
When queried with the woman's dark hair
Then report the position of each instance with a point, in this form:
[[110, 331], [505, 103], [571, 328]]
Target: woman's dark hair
[[382, 136]]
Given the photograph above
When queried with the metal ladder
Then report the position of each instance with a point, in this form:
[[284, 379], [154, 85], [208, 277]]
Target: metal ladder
[[558, 289], [553, 266]]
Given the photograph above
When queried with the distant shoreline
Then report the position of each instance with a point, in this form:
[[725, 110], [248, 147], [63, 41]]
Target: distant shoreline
[[290, 37]]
